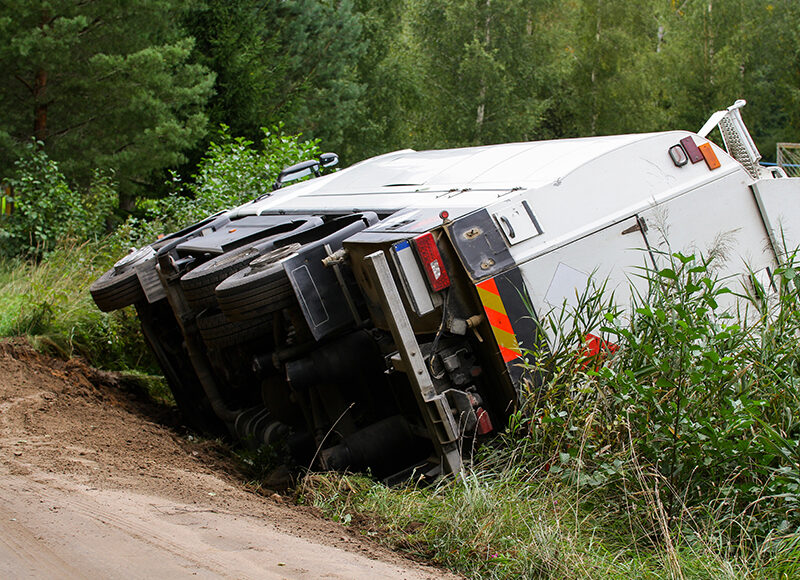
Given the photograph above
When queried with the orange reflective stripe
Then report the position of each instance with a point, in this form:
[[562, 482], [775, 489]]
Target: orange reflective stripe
[[498, 319], [509, 355]]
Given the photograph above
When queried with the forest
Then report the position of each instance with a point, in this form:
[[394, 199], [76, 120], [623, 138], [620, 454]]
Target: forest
[[124, 120], [139, 89]]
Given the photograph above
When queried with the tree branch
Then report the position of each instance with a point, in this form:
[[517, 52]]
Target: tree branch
[[91, 25], [63, 132], [27, 86]]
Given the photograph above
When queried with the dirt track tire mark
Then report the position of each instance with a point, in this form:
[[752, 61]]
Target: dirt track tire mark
[[22, 554]]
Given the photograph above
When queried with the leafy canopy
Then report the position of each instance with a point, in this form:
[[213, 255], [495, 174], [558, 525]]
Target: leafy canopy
[[101, 84]]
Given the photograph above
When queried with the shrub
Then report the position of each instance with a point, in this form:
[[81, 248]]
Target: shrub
[[697, 403], [47, 209]]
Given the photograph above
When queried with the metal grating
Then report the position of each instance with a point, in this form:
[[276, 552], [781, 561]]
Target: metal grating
[[737, 147], [788, 158]]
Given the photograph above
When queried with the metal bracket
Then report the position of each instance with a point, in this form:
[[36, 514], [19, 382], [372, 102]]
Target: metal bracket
[[334, 263], [435, 409]]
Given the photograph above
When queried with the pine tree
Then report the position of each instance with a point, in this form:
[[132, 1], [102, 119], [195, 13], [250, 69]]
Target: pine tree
[[104, 83], [290, 61]]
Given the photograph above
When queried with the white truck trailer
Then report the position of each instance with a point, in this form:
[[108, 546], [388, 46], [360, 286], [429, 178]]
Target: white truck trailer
[[379, 316]]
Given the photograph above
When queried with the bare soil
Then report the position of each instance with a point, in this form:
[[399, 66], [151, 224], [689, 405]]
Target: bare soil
[[95, 481]]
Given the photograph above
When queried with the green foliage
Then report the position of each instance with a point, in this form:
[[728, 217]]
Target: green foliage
[[698, 400], [49, 302], [510, 71], [103, 84], [291, 61], [492, 78], [388, 78], [233, 172], [47, 210]]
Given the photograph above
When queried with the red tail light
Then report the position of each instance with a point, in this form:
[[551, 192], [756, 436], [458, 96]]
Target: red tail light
[[432, 261]]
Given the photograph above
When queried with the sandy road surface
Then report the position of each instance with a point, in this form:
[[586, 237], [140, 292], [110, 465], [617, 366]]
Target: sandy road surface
[[93, 486]]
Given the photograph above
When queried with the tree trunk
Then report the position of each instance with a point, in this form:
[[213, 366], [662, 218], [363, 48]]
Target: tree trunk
[[40, 92], [481, 112]]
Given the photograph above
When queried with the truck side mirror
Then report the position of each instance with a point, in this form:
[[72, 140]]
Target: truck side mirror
[[297, 171], [329, 159]]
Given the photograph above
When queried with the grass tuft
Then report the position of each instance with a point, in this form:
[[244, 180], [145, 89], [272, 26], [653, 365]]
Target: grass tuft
[[48, 301]]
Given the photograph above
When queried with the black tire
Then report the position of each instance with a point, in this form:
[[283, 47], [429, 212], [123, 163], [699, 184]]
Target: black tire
[[259, 289], [219, 332], [119, 287], [198, 285], [114, 290]]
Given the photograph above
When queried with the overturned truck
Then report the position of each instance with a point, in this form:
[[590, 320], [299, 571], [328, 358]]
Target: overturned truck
[[379, 317]]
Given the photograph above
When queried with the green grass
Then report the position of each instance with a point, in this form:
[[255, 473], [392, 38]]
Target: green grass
[[48, 302], [516, 524]]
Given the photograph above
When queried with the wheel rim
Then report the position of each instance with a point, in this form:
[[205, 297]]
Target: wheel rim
[[273, 257], [135, 257]]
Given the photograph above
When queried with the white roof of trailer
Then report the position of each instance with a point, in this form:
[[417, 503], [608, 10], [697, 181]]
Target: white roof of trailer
[[472, 178]]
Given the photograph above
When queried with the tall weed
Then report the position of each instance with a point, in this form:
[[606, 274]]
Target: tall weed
[[48, 300]]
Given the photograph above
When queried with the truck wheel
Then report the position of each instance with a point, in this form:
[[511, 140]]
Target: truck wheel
[[119, 287], [219, 332], [198, 285], [260, 289]]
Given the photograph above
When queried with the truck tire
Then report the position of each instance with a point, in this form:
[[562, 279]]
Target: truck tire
[[119, 287], [219, 332], [198, 284], [259, 289]]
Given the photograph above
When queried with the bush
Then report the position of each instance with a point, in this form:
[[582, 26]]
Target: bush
[[697, 404], [47, 209], [232, 172]]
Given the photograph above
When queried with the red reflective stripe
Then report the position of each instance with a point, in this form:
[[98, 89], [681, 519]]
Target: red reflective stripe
[[489, 285], [498, 320], [508, 354]]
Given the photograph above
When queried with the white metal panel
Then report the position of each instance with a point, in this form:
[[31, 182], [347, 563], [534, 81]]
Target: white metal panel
[[585, 173], [607, 257], [779, 201], [721, 220], [614, 187]]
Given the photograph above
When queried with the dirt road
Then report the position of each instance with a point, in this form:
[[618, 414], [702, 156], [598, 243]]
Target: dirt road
[[93, 484]]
